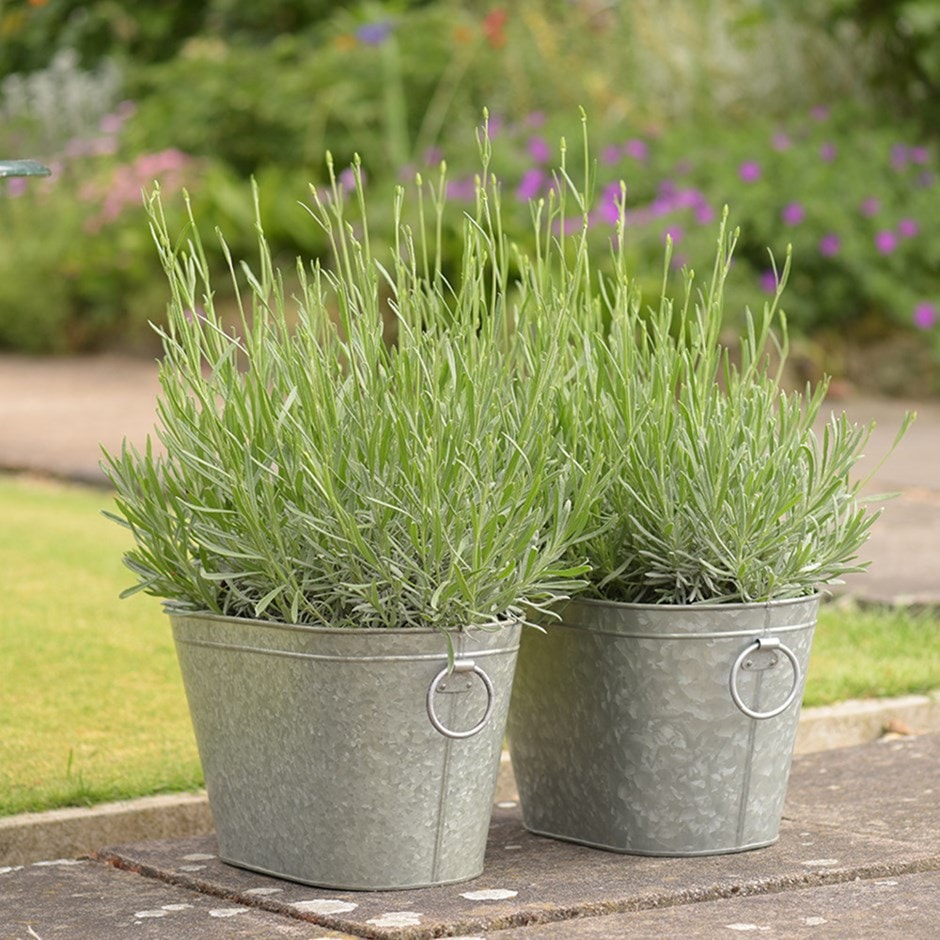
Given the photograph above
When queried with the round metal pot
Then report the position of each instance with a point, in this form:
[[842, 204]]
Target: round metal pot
[[660, 730], [348, 758]]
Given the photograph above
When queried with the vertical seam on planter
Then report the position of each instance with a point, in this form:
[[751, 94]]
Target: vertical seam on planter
[[751, 736], [445, 772]]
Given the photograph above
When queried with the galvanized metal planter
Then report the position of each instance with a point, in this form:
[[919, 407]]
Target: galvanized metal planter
[[348, 758], [659, 730]]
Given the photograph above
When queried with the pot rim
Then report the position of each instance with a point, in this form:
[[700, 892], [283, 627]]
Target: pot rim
[[710, 607], [172, 611]]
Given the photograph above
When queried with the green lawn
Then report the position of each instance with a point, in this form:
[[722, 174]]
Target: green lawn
[[91, 703]]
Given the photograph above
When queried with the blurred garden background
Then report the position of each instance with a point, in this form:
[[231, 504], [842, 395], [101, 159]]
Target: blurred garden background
[[815, 123]]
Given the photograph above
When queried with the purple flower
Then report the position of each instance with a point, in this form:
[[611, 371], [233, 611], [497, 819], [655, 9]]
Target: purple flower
[[568, 226], [530, 185], [463, 190], [827, 152], [704, 213], [749, 171], [925, 315], [819, 113], [609, 209], [899, 156], [433, 156], [768, 282], [886, 241], [919, 155], [494, 126], [347, 179], [781, 142], [870, 206], [534, 119], [675, 233], [16, 186], [539, 150], [829, 245], [374, 34], [908, 228], [793, 213], [610, 155], [637, 149], [925, 180]]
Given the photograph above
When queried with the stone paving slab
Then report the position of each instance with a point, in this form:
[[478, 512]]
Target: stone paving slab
[[828, 837], [888, 789], [907, 906], [87, 900]]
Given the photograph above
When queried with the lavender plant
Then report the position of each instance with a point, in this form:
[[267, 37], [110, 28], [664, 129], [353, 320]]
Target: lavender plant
[[318, 470], [720, 488]]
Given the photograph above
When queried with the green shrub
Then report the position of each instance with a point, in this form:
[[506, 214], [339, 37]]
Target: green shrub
[[323, 475]]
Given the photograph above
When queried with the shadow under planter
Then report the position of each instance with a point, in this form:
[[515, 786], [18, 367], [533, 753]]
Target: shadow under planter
[[660, 730], [348, 758]]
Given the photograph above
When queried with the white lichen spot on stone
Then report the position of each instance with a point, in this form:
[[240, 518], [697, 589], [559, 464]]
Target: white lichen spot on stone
[[821, 862], [192, 868], [885, 883], [8, 868], [512, 848], [228, 911], [159, 912], [59, 861], [814, 921], [325, 906], [507, 804], [262, 892], [490, 894], [198, 857], [745, 927], [177, 907], [397, 919]]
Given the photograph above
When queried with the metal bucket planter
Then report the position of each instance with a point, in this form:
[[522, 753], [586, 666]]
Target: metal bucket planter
[[659, 730], [348, 758]]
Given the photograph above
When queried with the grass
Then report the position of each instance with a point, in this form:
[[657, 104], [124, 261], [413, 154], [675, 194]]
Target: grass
[[91, 703], [872, 652]]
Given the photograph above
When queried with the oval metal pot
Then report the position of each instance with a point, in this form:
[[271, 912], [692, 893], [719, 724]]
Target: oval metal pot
[[660, 730], [348, 758]]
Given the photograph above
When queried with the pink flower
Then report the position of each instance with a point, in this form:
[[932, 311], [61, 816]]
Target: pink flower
[[637, 149], [781, 142], [819, 113], [793, 213], [539, 150], [749, 171], [610, 155], [768, 282], [530, 185], [870, 206], [827, 152], [829, 245], [908, 228], [886, 241], [704, 213], [925, 315], [675, 233]]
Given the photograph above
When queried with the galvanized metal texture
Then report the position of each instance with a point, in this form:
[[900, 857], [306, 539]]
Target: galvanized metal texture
[[320, 760], [624, 734]]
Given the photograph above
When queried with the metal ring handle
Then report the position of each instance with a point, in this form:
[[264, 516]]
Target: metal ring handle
[[461, 665], [771, 643]]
